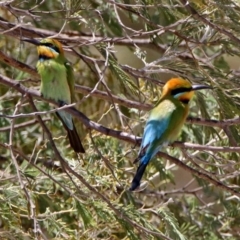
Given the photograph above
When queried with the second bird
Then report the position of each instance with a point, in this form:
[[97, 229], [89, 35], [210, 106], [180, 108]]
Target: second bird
[[57, 83], [165, 122]]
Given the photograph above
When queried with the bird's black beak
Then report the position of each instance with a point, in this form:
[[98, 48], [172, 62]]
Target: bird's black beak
[[199, 87], [31, 40]]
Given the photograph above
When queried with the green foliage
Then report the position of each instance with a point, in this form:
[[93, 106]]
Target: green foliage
[[172, 228], [128, 50]]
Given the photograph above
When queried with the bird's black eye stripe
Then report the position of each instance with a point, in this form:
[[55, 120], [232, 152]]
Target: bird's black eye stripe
[[50, 45], [43, 57], [185, 101], [180, 90]]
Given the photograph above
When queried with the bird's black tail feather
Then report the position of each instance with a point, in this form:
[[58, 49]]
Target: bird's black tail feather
[[73, 137], [75, 141], [138, 176]]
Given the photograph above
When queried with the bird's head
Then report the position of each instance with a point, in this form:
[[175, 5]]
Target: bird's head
[[181, 89], [47, 48]]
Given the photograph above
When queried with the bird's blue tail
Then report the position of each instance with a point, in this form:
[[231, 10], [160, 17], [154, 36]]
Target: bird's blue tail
[[138, 176], [140, 171]]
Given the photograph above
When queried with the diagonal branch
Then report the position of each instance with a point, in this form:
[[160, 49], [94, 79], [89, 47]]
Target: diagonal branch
[[197, 16], [199, 174], [125, 102]]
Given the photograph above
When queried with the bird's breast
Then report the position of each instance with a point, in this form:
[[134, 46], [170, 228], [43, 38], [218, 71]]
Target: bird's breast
[[170, 115], [54, 84]]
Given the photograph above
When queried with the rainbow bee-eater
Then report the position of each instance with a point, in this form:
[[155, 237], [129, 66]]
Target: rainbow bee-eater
[[165, 122], [57, 83]]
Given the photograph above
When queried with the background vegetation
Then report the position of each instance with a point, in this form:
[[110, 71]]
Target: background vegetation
[[122, 53]]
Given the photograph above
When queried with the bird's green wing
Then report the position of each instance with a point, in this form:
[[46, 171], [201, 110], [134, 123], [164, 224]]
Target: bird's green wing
[[70, 79], [170, 115]]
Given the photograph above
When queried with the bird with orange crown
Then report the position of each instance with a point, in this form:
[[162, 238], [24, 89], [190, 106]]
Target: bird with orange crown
[[165, 122], [57, 83]]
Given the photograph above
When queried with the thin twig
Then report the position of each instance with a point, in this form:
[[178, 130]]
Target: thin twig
[[22, 125], [33, 214]]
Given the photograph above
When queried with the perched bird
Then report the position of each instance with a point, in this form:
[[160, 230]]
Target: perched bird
[[57, 83], [165, 122]]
